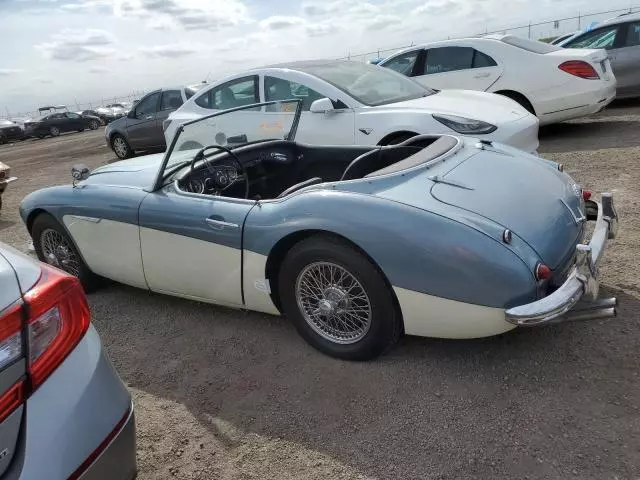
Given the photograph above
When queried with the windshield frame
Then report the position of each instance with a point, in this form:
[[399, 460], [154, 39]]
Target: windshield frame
[[159, 181]]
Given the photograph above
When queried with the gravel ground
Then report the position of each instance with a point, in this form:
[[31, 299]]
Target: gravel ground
[[232, 395]]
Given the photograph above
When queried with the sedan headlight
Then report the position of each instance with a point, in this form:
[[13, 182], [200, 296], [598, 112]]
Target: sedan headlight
[[466, 126]]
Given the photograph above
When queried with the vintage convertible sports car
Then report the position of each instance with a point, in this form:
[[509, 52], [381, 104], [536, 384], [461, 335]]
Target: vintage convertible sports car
[[437, 236]]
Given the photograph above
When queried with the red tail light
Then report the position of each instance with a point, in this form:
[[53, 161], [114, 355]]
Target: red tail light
[[586, 195], [543, 272], [580, 69], [58, 318]]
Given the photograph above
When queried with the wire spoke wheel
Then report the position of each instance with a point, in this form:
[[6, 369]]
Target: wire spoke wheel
[[333, 302], [59, 252]]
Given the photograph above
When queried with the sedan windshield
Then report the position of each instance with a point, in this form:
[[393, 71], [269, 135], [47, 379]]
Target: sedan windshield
[[368, 84]]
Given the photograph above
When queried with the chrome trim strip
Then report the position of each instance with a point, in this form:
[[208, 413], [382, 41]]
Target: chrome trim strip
[[581, 281], [87, 219]]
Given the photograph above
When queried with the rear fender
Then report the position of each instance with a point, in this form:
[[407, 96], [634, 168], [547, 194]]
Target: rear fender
[[416, 250]]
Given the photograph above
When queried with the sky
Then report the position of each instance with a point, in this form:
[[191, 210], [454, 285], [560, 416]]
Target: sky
[[78, 51]]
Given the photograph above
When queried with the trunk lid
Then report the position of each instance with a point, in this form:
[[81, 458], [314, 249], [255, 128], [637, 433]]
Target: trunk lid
[[528, 196], [488, 107]]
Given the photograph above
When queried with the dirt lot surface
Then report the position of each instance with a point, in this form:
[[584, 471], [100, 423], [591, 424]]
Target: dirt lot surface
[[223, 394]]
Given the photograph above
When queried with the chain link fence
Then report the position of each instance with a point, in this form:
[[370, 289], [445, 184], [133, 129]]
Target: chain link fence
[[547, 30]]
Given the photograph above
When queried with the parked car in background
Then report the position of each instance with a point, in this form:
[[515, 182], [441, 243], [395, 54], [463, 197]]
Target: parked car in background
[[58, 123], [355, 103], [10, 130], [90, 113], [142, 128], [620, 37], [112, 111], [5, 179], [553, 83], [64, 412], [439, 236], [563, 37]]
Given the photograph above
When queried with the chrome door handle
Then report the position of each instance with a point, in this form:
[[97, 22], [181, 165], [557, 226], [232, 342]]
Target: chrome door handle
[[220, 224], [148, 117], [87, 219], [482, 75]]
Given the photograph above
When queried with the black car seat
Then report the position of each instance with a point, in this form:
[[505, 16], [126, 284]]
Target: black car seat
[[227, 98]]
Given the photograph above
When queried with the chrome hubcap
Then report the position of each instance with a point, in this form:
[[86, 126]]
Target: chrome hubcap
[[55, 131], [333, 303], [120, 147], [58, 252]]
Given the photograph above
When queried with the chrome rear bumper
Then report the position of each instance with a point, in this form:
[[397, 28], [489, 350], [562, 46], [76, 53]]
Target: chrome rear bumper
[[6, 181], [576, 298]]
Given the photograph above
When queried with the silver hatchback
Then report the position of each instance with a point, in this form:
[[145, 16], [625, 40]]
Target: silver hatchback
[[64, 412]]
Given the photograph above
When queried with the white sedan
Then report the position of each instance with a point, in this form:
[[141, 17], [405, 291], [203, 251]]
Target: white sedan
[[554, 83], [353, 103]]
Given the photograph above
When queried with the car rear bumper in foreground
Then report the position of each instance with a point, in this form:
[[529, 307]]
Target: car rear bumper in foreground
[[576, 298]]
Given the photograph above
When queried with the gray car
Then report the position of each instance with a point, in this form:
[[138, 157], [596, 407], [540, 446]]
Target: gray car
[[142, 127], [620, 36], [64, 412]]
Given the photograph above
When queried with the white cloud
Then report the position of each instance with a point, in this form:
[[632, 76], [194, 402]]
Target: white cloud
[[322, 29], [5, 72], [382, 21], [174, 50], [98, 70], [280, 22], [79, 45], [208, 15]]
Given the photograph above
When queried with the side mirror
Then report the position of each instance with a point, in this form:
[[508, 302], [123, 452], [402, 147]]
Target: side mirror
[[132, 113], [79, 172], [322, 105]]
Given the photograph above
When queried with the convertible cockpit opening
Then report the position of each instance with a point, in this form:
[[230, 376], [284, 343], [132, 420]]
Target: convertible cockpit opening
[[277, 168]]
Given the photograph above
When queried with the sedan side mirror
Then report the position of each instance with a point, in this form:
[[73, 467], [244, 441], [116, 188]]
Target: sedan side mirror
[[322, 105], [132, 114]]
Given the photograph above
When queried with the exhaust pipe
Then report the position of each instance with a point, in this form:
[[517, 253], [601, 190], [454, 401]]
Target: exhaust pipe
[[605, 308]]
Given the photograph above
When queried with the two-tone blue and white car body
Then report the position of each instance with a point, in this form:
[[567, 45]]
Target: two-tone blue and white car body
[[439, 236]]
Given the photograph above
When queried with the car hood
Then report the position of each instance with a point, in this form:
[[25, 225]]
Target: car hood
[[488, 107], [139, 172]]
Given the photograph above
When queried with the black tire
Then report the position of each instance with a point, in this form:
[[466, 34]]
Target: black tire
[[385, 325], [520, 99], [94, 124], [122, 150], [3, 140], [54, 131], [41, 137], [45, 222]]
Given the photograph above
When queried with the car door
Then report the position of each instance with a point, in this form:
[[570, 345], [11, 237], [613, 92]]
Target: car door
[[74, 121], [332, 128], [457, 67], [59, 121], [141, 123], [625, 60], [192, 245]]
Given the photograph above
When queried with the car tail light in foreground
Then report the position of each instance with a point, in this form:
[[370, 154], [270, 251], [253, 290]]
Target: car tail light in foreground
[[580, 69], [57, 317]]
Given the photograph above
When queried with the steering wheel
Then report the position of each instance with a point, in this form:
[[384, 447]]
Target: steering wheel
[[209, 164]]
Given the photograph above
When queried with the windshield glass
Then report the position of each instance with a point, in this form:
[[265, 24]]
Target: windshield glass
[[369, 84], [233, 128]]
